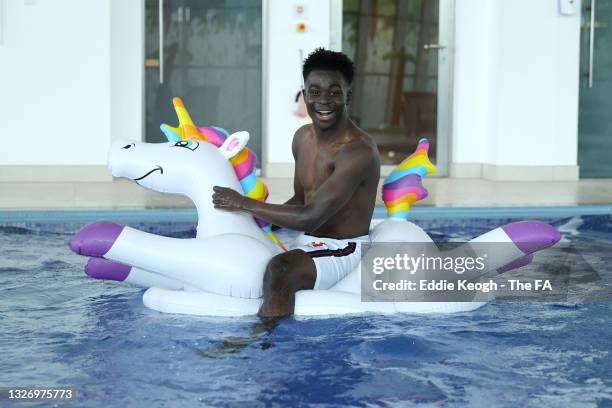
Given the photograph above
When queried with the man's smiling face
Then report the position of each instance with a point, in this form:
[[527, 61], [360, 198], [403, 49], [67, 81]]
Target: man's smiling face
[[327, 96]]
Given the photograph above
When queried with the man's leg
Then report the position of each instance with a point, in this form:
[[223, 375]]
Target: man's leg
[[286, 274]]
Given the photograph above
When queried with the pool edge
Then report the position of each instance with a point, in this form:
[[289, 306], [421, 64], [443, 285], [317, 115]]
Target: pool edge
[[188, 214]]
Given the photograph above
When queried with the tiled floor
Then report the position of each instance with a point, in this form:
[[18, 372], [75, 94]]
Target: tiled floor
[[443, 192]]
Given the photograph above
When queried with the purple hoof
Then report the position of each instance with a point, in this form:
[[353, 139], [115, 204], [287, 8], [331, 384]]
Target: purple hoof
[[531, 236], [96, 238], [100, 268], [517, 263]]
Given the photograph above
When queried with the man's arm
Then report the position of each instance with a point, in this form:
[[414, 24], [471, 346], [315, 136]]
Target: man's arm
[[352, 167]]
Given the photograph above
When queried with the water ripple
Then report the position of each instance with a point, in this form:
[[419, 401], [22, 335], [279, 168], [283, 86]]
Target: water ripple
[[60, 327]]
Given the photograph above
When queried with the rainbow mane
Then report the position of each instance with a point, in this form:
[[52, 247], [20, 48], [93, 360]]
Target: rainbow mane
[[403, 187], [244, 162]]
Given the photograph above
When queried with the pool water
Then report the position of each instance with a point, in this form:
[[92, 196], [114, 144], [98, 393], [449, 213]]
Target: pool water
[[61, 327]]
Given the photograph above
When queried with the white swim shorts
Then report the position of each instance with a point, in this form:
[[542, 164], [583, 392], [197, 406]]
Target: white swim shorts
[[333, 258]]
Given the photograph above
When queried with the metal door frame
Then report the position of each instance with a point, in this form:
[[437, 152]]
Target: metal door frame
[[446, 56]]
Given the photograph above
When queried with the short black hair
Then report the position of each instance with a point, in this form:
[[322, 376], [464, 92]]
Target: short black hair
[[329, 60]]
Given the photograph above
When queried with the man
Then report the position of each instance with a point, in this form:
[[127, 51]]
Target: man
[[337, 171]]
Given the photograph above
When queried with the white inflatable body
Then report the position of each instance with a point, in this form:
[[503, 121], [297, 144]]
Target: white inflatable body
[[345, 296], [220, 271]]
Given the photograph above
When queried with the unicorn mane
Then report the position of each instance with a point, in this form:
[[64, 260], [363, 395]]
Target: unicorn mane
[[243, 163]]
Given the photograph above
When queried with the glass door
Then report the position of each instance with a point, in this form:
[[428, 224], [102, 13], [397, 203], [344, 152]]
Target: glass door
[[211, 57], [595, 109], [395, 47]]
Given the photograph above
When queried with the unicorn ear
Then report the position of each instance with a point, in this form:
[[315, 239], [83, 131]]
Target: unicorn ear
[[234, 144]]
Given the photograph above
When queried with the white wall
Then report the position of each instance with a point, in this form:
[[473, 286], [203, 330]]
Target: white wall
[[516, 88], [283, 68], [55, 82], [127, 69], [70, 79], [474, 43]]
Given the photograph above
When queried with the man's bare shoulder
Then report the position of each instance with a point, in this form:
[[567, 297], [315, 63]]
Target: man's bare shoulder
[[303, 133], [361, 146], [300, 137]]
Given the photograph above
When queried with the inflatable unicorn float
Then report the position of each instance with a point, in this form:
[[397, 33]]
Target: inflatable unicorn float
[[220, 271]]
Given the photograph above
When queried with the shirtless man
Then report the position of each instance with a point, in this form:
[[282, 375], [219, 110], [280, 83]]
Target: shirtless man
[[337, 171]]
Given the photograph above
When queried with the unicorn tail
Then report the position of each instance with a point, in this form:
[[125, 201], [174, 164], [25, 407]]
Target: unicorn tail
[[403, 187]]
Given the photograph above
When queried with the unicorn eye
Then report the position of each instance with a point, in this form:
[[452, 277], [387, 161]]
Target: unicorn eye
[[188, 144], [127, 146]]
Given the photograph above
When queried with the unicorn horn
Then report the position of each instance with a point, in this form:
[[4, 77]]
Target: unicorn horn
[[187, 129]]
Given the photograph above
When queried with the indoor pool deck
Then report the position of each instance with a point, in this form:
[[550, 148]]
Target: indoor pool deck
[[443, 192]]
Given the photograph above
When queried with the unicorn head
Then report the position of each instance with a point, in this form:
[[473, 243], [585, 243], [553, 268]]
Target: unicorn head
[[177, 167], [243, 162], [193, 161]]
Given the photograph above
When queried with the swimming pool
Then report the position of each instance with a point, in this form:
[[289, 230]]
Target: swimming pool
[[61, 327]]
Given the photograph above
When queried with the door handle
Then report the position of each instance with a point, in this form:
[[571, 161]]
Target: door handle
[[434, 47]]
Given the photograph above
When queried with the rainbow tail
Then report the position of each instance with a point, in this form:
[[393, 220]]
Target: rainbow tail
[[403, 187]]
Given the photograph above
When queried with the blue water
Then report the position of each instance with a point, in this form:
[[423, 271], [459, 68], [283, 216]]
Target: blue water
[[61, 327]]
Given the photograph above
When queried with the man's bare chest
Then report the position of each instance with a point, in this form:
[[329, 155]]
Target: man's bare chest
[[314, 168]]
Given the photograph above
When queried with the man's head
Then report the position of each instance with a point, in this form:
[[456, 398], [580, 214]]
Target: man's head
[[327, 86]]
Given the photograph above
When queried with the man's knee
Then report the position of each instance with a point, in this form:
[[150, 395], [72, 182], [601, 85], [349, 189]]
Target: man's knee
[[275, 277], [288, 272]]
